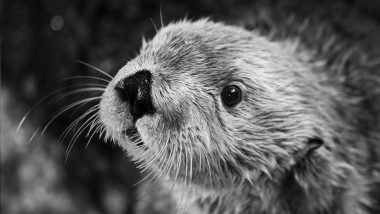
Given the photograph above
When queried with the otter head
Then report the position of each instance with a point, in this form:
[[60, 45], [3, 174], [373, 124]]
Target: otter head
[[211, 105]]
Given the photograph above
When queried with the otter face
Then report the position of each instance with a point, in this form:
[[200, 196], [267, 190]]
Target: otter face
[[208, 104]]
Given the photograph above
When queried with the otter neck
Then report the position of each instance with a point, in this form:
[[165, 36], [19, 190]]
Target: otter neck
[[313, 185]]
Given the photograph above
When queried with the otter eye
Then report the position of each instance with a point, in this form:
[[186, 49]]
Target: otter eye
[[231, 95]]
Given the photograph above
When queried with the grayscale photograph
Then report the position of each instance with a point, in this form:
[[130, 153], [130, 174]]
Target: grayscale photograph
[[190, 106]]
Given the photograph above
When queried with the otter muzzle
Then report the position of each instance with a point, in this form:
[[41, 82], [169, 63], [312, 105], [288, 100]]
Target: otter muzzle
[[136, 91]]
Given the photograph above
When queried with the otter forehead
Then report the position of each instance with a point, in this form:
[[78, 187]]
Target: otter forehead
[[200, 50], [203, 35]]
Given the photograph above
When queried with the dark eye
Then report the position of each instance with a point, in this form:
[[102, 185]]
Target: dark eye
[[231, 95]]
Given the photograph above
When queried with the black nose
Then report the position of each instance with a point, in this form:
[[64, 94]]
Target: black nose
[[136, 90]]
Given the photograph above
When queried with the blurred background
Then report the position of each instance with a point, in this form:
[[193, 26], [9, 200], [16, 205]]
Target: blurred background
[[41, 43]]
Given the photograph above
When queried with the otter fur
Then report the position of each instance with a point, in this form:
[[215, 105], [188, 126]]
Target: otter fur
[[305, 137]]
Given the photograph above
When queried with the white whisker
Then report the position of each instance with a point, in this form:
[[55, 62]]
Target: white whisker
[[95, 68], [34, 134], [164, 157], [154, 25], [94, 132], [87, 77], [76, 122], [77, 134], [43, 99], [60, 112], [161, 19]]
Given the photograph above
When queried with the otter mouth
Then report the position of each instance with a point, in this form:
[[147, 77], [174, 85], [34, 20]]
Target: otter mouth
[[134, 135]]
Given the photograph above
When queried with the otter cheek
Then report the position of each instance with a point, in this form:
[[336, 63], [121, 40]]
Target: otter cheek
[[113, 113], [108, 112]]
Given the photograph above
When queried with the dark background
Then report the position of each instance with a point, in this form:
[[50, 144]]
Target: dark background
[[41, 41]]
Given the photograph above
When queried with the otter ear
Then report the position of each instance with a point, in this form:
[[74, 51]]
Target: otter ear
[[313, 144]]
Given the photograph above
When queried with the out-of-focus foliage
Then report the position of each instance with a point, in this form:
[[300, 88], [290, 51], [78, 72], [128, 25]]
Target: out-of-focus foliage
[[41, 43]]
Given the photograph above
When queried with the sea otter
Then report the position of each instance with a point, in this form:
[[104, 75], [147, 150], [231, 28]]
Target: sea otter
[[231, 120]]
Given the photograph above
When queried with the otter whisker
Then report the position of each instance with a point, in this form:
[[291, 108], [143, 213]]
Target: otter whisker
[[185, 162], [171, 162], [162, 156], [95, 68], [87, 77], [161, 19], [89, 140], [80, 106], [76, 121], [191, 165], [94, 124], [63, 110], [155, 176], [200, 167], [150, 177], [43, 99], [38, 129], [103, 131], [166, 156], [186, 182], [77, 91], [100, 129], [94, 132], [175, 161], [209, 167], [33, 135], [187, 190], [154, 25], [78, 133], [190, 175], [203, 155], [152, 158], [147, 163], [179, 157], [171, 159], [85, 124], [151, 173], [142, 163]]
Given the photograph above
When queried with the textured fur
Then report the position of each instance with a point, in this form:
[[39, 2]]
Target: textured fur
[[305, 138]]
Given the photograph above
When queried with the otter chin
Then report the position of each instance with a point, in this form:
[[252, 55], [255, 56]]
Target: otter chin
[[237, 120]]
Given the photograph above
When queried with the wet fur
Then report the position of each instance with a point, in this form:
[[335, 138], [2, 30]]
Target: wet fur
[[305, 138]]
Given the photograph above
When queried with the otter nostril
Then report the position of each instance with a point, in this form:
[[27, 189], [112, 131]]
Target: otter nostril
[[120, 90], [136, 91], [142, 107]]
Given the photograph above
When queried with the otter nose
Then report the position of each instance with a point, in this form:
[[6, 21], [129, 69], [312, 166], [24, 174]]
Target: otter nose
[[135, 90]]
